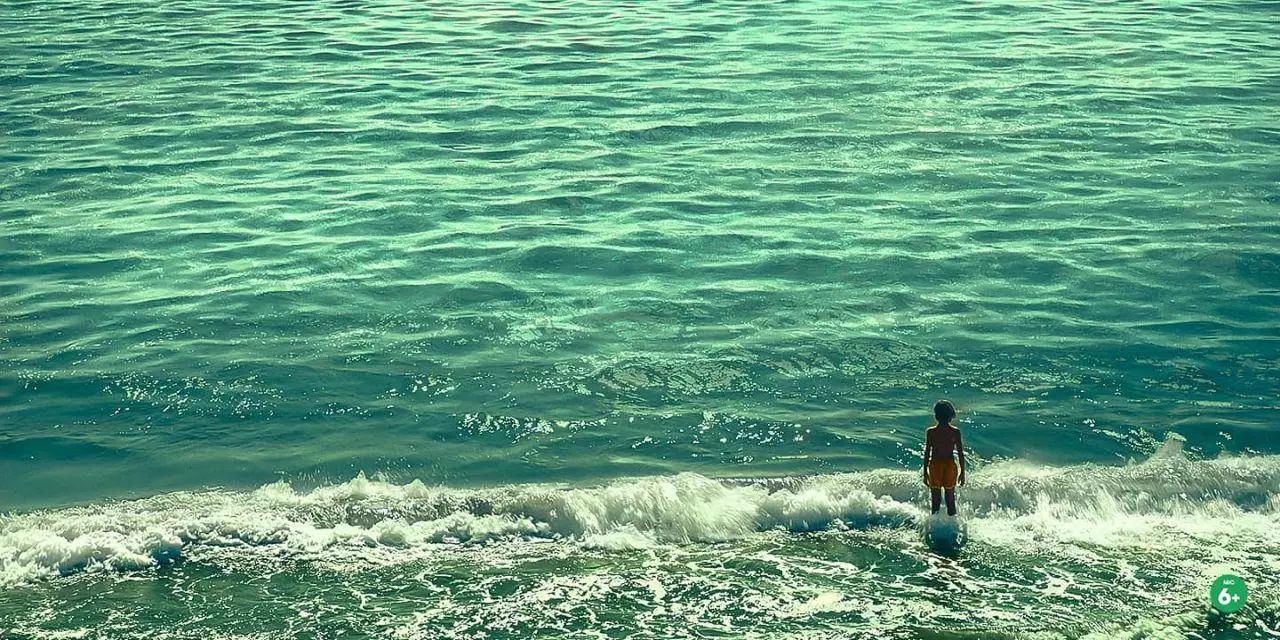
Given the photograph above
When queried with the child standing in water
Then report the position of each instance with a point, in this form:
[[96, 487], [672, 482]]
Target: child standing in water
[[940, 469]]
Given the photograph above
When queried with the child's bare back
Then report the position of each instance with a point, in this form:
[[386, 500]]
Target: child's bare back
[[943, 441]]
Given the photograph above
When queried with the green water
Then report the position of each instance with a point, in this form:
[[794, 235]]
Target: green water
[[570, 266]]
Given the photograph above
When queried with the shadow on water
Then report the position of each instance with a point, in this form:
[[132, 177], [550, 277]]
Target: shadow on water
[[944, 535]]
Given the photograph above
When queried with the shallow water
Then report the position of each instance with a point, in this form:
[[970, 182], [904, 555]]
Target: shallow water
[[1092, 551], [570, 266]]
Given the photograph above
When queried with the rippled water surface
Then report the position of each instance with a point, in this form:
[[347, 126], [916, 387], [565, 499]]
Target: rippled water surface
[[569, 264]]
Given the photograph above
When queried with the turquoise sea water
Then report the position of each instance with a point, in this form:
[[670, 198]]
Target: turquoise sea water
[[458, 320]]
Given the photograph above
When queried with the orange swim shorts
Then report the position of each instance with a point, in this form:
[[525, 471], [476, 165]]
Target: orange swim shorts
[[943, 473]]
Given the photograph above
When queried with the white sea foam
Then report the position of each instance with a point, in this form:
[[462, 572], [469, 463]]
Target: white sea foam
[[1009, 504]]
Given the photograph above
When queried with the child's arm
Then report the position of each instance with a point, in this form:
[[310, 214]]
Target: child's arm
[[928, 449], [960, 454]]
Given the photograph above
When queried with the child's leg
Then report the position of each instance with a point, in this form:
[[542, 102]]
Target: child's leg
[[936, 496], [951, 502]]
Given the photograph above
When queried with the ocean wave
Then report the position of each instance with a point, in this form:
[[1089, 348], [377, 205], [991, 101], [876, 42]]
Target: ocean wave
[[1007, 503]]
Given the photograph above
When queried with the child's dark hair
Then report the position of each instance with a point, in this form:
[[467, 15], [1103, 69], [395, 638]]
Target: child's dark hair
[[944, 411]]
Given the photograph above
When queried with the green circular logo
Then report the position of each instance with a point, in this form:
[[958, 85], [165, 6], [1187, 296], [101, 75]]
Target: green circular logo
[[1228, 593]]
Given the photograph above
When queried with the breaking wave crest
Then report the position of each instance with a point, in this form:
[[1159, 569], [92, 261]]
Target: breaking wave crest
[[1115, 505]]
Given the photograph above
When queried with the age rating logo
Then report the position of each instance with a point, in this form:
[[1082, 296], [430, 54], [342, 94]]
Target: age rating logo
[[1228, 593]]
